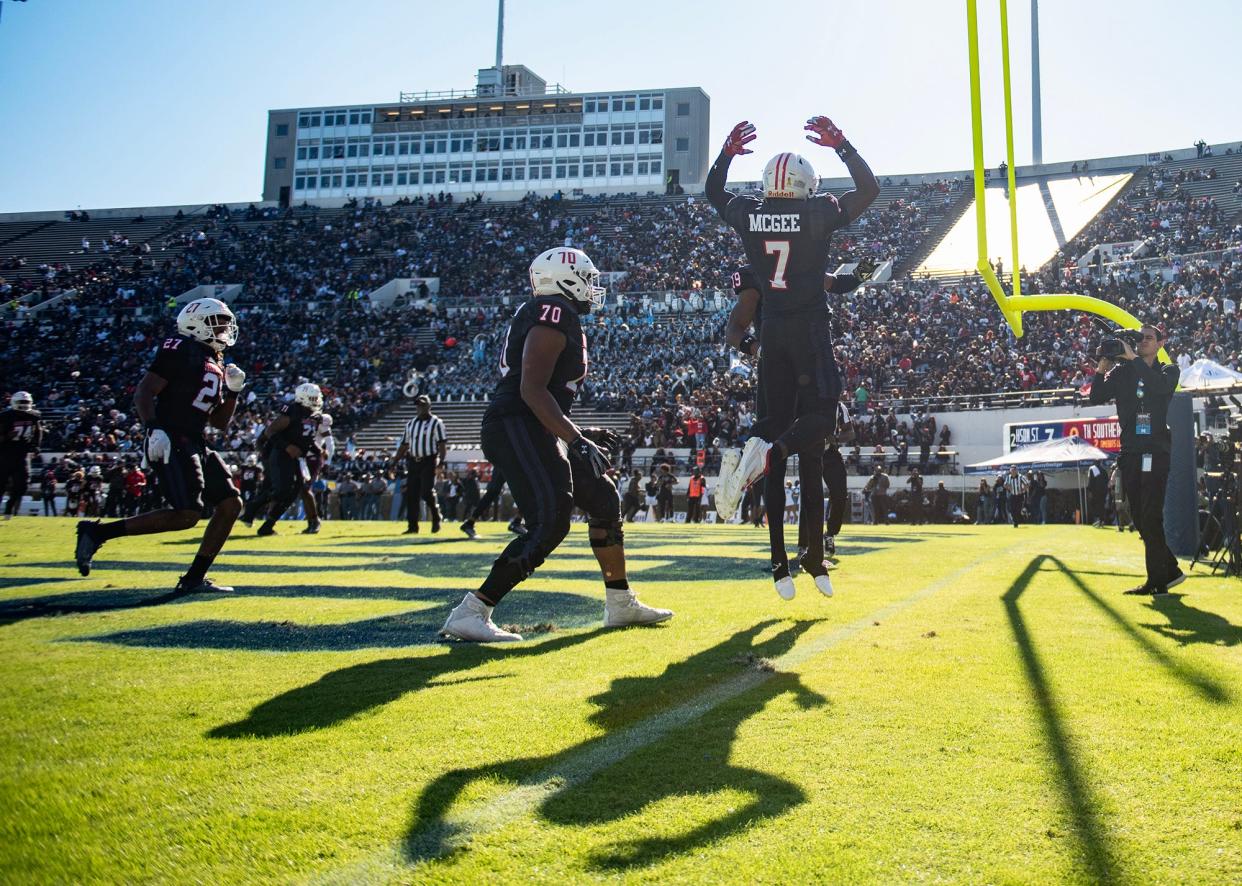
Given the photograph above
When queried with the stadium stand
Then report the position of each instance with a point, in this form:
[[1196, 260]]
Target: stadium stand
[[907, 347]]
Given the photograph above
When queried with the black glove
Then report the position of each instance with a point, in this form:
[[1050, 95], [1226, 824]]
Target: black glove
[[602, 437], [591, 456]]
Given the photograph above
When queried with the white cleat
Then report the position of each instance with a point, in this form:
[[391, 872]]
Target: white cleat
[[727, 498], [623, 608], [753, 464], [786, 588], [472, 621], [823, 584]]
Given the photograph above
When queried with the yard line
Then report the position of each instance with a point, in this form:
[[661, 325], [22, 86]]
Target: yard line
[[458, 829]]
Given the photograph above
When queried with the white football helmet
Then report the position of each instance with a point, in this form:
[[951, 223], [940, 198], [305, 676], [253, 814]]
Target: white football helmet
[[789, 176], [252, 459], [22, 401], [309, 395], [325, 422], [210, 321], [568, 272]]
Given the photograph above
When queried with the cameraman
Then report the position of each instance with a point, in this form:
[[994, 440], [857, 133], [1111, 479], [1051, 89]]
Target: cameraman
[[1143, 389]]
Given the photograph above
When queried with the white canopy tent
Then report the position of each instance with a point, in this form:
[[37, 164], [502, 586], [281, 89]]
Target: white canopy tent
[[1204, 374], [1058, 454]]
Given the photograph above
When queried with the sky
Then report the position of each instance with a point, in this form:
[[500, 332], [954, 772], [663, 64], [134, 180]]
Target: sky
[[115, 103]]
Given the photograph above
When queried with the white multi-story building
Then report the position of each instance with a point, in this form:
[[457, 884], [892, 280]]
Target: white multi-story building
[[511, 135]]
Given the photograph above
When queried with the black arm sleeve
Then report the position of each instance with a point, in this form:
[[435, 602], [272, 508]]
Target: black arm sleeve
[[1101, 388], [714, 187]]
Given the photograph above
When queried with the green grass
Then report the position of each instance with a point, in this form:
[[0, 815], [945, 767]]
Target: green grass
[[975, 705]]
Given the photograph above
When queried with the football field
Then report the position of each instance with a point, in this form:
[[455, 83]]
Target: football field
[[976, 704]]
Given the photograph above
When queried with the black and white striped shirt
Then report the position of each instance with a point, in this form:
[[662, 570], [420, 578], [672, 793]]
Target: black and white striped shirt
[[423, 436], [1016, 484]]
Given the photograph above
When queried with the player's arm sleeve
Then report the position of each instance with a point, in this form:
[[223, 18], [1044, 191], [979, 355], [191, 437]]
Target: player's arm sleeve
[[714, 187]]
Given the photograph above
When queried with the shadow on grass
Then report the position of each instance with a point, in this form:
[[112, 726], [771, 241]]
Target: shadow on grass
[[348, 692], [1092, 838], [584, 786], [418, 627], [1190, 625], [88, 602], [1201, 683]]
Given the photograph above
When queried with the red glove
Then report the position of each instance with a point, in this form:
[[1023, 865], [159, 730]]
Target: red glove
[[742, 135], [824, 132]]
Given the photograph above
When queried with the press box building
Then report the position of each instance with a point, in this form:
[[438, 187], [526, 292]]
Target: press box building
[[510, 135]]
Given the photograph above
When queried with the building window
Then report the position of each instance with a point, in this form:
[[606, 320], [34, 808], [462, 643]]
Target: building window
[[629, 103], [282, 130], [366, 117], [588, 106], [310, 182], [349, 181], [278, 162], [299, 183], [683, 109], [627, 168], [560, 170], [629, 136], [642, 167], [314, 152], [683, 145], [616, 169], [644, 104], [301, 153], [401, 178], [616, 136], [657, 103], [353, 118]]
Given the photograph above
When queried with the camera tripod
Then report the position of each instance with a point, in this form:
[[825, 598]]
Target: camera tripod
[[1222, 523]]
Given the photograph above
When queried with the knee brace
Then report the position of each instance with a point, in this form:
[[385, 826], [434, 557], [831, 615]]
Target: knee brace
[[614, 533]]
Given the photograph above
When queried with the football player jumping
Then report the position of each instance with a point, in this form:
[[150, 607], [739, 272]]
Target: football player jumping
[[187, 385], [551, 464], [786, 236], [285, 444]]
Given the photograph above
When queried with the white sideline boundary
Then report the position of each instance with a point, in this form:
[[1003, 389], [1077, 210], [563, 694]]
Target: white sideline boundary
[[460, 828]]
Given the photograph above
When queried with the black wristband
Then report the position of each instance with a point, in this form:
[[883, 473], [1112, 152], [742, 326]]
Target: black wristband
[[845, 150], [748, 345]]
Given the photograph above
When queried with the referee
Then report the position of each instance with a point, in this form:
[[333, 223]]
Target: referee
[[1015, 493], [424, 447]]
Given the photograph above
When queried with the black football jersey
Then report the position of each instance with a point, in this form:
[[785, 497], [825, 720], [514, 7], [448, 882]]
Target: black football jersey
[[571, 365], [302, 428], [249, 477], [195, 376], [786, 243], [20, 432]]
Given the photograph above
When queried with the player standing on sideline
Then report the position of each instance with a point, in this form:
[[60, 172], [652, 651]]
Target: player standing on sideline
[[491, 495], [21, 434], [286, 441], [321, 452], [187, 386], [543, 360], [786, 236]]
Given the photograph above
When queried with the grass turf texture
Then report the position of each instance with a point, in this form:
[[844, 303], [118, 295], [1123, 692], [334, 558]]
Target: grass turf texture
[[975, 704]]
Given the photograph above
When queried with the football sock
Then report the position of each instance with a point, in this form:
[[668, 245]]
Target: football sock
[[198, 569], [619, 584], [780, 570], [108, 531]]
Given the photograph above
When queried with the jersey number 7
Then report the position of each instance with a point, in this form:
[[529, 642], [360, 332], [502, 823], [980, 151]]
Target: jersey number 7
[[781, 249]]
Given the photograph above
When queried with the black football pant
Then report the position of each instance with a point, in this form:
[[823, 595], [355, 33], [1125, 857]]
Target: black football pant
[[1015, 503], [282, 483], [838, 497], [491, 495], [801, 387], [545, 487], [14, 478], [1145, 493], [420, 476]]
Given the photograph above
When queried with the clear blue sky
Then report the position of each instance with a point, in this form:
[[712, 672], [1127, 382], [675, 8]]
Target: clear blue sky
[[153, 102]]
